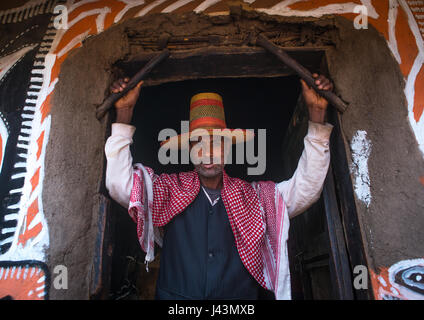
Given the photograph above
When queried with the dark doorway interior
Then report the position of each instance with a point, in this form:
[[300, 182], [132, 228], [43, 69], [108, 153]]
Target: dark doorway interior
[[250, 103]]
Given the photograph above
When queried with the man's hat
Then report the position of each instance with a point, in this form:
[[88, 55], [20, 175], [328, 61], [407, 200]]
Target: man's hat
[[207, 114]]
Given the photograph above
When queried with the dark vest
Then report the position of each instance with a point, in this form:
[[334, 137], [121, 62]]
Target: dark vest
[[199, 258]]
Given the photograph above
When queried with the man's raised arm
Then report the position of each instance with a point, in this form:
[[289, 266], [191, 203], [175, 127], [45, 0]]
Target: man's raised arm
[[305, 186], [119, 168]]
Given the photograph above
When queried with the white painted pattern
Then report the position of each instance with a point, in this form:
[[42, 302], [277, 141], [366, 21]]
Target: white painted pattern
[[204, 5], [149, 7], [392, 42], [405, 276], [35, 248], [31, 8], [4, 136], [177, 4], [417, 127], [129, 4], [282, 8], [361, 150]]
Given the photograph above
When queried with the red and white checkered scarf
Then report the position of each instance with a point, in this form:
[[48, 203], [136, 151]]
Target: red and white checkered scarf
[[257, 215]]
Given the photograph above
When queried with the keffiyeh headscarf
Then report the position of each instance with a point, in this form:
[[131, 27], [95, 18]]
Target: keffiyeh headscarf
[[257, 215]]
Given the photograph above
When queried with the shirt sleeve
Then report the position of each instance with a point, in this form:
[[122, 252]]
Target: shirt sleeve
[[305, 186], [119, 168]]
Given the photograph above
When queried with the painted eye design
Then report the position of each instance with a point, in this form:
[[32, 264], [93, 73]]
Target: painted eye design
[[411, 278]]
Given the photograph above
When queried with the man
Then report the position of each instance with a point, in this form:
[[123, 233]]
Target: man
[[222, 235]]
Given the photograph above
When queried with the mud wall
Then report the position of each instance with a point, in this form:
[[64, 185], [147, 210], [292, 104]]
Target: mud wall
[[384, 157], [75, 157]]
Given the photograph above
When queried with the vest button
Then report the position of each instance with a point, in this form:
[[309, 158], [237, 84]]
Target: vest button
[[210, 255]]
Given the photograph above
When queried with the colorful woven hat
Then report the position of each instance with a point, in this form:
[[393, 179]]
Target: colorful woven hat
[[207, 114]]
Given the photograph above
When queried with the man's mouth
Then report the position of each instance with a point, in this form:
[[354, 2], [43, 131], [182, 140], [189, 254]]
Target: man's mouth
[[208, 166]]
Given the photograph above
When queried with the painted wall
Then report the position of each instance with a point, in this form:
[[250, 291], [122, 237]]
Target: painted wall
[[26, 38], [32, 52]]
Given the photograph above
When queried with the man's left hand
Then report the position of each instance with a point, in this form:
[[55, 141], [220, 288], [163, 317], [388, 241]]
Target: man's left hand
[[316, 104]]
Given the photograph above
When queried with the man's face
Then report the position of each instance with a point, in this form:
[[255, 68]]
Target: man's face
[[210, 153]]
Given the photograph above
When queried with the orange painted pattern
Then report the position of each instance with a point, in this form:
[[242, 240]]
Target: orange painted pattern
[[401, 281], [382, 287], [417, 8], [45, 108], [34, 231], [406, 41], [22, 283], [408, 50], [35, 179], [40, 141]]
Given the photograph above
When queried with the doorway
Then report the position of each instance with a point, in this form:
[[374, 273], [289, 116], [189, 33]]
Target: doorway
[[251, 103], [321, 255]]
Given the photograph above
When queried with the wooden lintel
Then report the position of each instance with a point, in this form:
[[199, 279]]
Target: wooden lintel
[[220, 62]]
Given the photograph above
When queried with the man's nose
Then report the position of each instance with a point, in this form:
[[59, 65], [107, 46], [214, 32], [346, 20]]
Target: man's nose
[[208, 153]]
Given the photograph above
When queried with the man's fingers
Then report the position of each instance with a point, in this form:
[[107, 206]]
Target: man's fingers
[[140, 84], [326, 84], [304, 84], [323, 83], [120, 84], [115, 88], [123, 84], [328, 87], [319, 79]]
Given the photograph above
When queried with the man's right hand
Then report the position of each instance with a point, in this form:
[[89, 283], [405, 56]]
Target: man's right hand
[[125, 106]]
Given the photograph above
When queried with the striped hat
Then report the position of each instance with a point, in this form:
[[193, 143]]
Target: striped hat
[[207, 117]]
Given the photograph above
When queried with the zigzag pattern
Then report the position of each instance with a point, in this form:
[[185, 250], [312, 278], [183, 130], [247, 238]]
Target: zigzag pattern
[[26, 11], [15, 202], [24, 280]]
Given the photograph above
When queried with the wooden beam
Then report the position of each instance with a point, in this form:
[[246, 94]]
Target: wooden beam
[[301, 71], [220, 62]]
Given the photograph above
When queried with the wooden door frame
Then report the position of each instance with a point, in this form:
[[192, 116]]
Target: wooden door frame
[[341, 214], [345, 218]]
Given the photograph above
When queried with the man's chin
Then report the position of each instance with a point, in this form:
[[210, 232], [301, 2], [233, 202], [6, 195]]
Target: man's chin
[[208, 166], [209, 170]]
